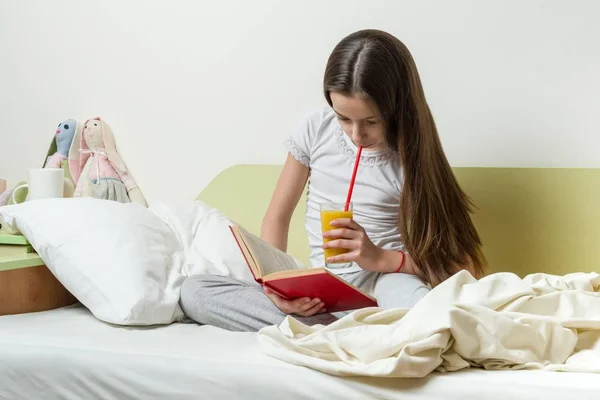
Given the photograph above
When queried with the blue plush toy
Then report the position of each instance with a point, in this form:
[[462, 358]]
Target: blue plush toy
[[61, 143]]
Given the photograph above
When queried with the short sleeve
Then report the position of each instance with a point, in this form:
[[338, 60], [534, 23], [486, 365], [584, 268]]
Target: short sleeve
[[301, 140]]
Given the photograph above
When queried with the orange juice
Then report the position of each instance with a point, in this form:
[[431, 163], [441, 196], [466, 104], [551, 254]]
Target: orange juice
[[330, 212], [326, 217]]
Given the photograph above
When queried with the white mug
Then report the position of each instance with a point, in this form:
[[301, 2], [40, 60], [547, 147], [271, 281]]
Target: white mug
[[43, 183]]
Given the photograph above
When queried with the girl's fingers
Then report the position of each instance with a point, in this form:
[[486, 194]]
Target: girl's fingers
[[345, 233], [342, 258], [287, 306], [317, 308], [341, 244], [305, 306], [346, 223]]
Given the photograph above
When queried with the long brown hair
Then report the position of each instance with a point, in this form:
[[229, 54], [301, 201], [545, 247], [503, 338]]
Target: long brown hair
[[434, 211]]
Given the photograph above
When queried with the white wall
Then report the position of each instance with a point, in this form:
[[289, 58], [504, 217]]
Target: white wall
[[192, 87]]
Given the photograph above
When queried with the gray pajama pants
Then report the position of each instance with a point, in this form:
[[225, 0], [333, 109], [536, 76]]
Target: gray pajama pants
[[239, 306]]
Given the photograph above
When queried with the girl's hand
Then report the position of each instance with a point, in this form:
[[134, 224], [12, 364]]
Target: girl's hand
[[304, 307], [350, 235]]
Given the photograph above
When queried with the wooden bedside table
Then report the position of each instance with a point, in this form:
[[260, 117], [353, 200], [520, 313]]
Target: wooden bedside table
[[26, 285]]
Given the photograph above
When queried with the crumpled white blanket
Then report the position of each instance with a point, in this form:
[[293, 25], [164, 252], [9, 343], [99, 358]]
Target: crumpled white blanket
[[499, 322]]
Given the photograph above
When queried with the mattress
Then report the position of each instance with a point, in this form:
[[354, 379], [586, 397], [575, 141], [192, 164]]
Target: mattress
[[68, 354]]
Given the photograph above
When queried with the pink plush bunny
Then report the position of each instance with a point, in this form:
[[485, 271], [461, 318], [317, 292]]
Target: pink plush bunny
[[96, 167]]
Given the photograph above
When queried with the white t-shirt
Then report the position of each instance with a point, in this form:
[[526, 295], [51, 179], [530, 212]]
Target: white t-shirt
[[320, 143]]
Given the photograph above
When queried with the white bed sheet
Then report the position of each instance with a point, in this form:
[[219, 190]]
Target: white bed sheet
[[68, 354]]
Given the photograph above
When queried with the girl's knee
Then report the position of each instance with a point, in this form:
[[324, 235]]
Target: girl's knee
[[192, 291], [206, 284], [203, 295], [195, 284], [399, 290]]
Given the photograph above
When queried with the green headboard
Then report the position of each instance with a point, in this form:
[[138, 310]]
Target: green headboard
[[530, 219]]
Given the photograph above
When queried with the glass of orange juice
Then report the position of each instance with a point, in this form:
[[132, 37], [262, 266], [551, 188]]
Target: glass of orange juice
[[330, 212]]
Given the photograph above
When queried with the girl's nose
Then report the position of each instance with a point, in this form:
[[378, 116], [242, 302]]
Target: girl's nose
[[357, 134]]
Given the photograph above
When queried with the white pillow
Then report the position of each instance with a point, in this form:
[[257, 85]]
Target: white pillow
[[122, 261]]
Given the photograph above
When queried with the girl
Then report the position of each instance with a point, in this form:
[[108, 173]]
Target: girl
[[411, 227]]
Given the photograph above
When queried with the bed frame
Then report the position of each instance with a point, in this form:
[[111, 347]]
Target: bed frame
[[530, 219]]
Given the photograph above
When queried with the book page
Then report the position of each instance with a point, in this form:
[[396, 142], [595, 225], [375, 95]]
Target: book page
[[269, 258], [237, 234]]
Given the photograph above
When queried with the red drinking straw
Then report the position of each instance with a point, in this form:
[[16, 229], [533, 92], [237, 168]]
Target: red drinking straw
[[351, 188]]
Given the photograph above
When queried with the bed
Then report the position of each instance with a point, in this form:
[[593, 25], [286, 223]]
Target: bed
[[69, 354]]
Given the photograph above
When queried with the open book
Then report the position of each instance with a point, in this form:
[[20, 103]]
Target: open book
[[281, 273]]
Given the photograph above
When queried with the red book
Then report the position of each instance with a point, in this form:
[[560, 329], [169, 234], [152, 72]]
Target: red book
[[281, 273]]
